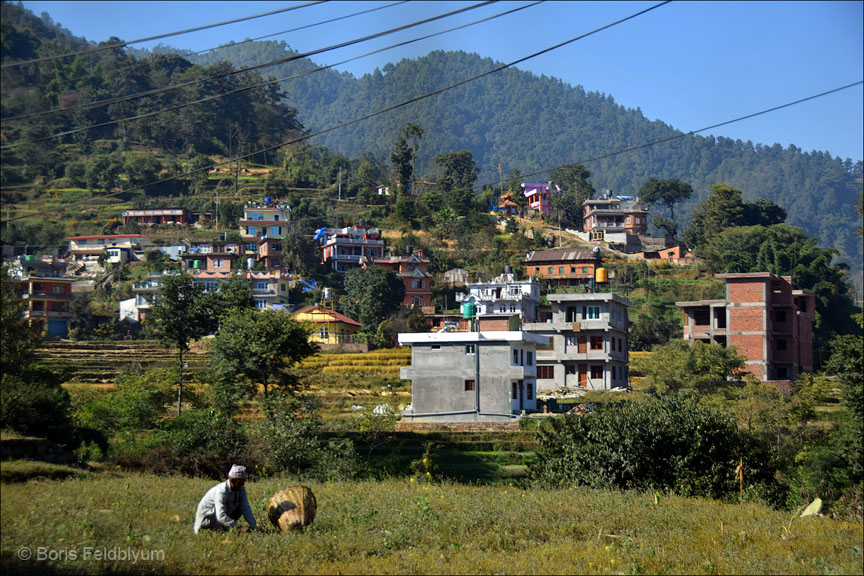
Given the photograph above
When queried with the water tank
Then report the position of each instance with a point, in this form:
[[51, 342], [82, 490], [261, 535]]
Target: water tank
[[328, 293], [508, 269], [468, 309], [601, 276], [250, 263]]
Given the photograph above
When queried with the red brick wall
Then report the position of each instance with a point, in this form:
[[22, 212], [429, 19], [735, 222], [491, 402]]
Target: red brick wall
[[751, 346], [750, 291], [746, 319]]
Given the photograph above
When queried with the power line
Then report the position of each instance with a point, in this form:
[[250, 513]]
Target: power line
[[367, 116], [157, 37], [583, 161], [146, 62], [262, 84], [251, 68], [692, 132]]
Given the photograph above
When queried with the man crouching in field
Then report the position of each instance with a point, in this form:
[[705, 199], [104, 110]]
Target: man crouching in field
[[223, 504]]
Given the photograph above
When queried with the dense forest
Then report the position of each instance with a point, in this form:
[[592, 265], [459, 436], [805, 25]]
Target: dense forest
[[533, 124]]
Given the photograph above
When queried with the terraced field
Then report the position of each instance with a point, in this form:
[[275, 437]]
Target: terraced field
[[100, 362]]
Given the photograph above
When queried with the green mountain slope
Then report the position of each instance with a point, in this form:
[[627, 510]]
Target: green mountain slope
[[530, 123]]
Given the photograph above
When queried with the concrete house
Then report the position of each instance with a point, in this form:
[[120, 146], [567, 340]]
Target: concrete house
[[411, 269], [332, 330], [537, 196], [470, 376], [767, 321], [584, 342], [561, 267], [612, 218], [502, 298], [343, 248], [45, 293]]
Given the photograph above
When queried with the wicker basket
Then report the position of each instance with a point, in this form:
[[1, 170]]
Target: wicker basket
[[292, 508]]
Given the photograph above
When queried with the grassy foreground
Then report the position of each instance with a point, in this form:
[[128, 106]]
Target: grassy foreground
[[143, 524]]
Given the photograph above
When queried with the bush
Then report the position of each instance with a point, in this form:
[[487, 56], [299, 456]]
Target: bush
[[33, 403], [666, 443]]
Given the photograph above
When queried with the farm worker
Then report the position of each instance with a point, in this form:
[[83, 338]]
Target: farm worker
[[223, 504]]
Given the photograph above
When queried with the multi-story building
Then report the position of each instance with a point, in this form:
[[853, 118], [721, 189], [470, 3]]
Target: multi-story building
[[343, 248], [120, 247], [45, 293], [561, 267], [270, 289], [614, 215], [584, 342], [212, 256], [768, 322], [159, 216], [411, 269], [538, 197], [262, 228], [502, 298], [470, 376]]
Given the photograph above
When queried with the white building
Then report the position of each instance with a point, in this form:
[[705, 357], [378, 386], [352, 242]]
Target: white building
[[505, 296]]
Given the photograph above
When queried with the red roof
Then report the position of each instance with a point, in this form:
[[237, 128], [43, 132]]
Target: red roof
[[333, 313]]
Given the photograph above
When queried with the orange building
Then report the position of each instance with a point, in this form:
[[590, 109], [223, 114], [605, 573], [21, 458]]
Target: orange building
[[561, 267], [615, 214], [767, 321], [411, 269]]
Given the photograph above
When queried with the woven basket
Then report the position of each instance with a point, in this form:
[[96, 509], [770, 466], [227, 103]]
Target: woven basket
[[292, 508]]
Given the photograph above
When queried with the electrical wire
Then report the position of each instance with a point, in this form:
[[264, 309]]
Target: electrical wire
[[367, 116], [266, 83], [157, 37], [146, 63], [545, 171], [287, 59]]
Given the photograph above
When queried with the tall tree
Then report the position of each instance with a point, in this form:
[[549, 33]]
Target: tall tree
[[456, 181], [261, 347], [667, 192], [181, 315], [402, 159], [372, 294], [415, 132]]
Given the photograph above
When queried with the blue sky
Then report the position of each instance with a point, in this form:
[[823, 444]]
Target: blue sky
[[688, 64]]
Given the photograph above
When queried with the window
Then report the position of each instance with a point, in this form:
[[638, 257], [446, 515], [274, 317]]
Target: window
[[260, 304], [416, 283], [627, 220], [614, 376], [436, 346], [502, 309], [514, 394], [782, 374], [620, 345], [515, 357], [572, 269], [549, 345], [596, 372], [596, 343], [529, 391], [469, 385], [530, 358], [560, 270], [512, 308], [470, 349], [324, 333], [276, 230], [276, 247], [261, 285], [58, 289], [251, 247], [570, 340], [781, 344], [251, 231], [217, 262], [612, 344], [590, 312], [545, 372], [584, 269], [780, 316], [551, 270]]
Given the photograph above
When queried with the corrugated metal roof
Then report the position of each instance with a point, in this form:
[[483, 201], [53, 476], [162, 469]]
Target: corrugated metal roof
[[559, 255]]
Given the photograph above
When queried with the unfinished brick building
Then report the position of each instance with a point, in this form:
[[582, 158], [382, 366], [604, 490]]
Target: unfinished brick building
[[768, 322]]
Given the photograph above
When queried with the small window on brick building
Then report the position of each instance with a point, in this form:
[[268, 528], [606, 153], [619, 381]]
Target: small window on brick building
[[780, 316], [781, 344], [469, 349], [782, 374], [469, 385]]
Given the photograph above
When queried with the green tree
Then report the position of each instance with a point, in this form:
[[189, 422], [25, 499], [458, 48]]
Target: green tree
[[261, 347], [371, 295], [415, 133], [18, 339], [103, 171], [402, 159], [667, 192], [573, 180], [181, 316], [235, 293], [679, 364], [456, 181]]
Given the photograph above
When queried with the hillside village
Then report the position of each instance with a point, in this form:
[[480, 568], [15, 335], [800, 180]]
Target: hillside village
[[558, 329]]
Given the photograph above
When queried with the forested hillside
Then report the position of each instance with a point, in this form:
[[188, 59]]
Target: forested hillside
[[530, 123]]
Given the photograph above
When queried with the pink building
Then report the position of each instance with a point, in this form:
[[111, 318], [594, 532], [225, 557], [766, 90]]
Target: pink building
[[538, 197]]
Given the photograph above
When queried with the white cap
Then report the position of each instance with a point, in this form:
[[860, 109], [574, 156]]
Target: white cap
[[237, 472]]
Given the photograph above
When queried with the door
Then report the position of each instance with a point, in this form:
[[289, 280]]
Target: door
[[583, 375], [582, 346]]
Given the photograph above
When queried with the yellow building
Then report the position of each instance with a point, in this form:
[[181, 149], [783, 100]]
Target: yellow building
[[331, 328]]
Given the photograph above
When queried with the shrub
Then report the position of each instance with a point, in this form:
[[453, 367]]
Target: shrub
[[34, 404], [666, 443]]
